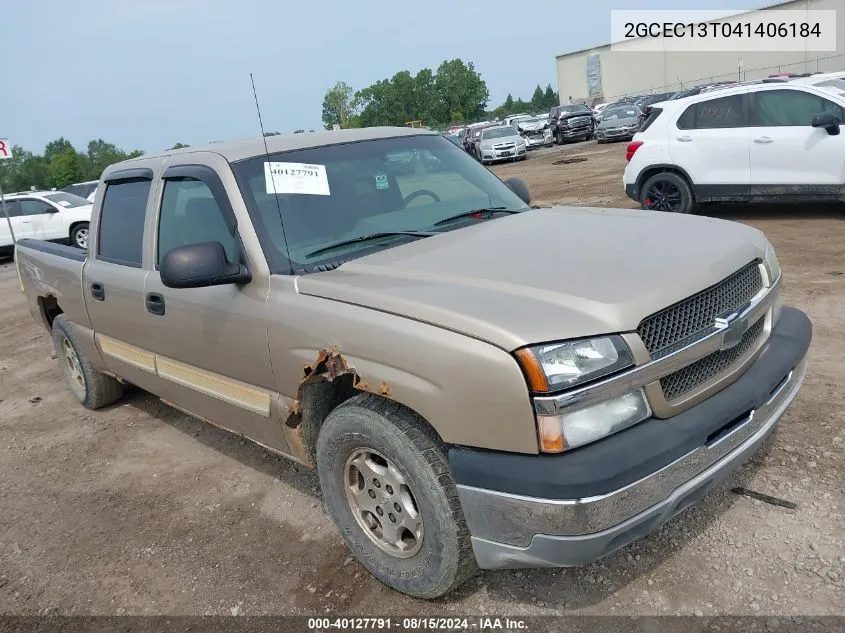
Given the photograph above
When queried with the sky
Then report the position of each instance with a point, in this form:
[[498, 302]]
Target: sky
[[146, 74]]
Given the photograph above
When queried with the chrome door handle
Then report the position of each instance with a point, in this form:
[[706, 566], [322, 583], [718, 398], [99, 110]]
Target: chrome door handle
[[763, 139], [684, 139], [26, 221]]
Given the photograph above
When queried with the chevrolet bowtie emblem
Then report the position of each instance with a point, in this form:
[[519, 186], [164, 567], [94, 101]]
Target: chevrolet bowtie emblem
[[733, 327]]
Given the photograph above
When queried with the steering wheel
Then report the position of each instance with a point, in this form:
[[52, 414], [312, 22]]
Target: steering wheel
[[417, 194]]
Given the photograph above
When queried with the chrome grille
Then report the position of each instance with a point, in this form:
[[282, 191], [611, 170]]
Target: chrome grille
[[579, 120], [691, 376], [663, 331]]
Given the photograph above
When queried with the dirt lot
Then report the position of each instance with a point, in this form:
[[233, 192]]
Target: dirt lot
[[139, 509]]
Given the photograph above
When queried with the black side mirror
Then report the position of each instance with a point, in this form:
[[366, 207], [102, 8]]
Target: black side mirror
[[199, 266], [518, 186], [828, 121]]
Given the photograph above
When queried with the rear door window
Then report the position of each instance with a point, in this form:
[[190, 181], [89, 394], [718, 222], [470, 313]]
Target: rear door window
[[121, 232], [724, 112]]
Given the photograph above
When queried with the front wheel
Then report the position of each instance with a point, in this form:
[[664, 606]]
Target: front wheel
[[667, 191], [388, 488], [79, 236]]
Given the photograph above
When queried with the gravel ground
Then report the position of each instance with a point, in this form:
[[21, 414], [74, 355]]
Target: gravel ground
[[139, 509]]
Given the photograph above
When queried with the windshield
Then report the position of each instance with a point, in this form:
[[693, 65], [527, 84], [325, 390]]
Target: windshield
[[832, 83], [619, 113], [335, 193], [534, 119], [498, 132], [574, 108], [67, 200]]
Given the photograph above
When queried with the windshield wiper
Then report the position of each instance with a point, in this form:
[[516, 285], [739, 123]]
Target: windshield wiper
[[488, 211], [367, 238]]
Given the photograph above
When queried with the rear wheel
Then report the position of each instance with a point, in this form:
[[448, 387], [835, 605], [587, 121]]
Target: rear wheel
[[667, 191], [79, 236], [92, 388], [388, 488]]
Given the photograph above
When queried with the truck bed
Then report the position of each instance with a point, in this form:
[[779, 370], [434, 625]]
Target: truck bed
[[52, 271]]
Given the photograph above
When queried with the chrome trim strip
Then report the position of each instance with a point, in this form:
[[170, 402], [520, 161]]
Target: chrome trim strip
[[641, 375], [515, 519]]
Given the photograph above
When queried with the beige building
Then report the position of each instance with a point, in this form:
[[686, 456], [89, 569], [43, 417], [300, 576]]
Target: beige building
[[600, 74]]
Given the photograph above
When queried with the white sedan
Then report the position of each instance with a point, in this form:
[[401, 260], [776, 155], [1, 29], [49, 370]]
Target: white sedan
[[56, 216]]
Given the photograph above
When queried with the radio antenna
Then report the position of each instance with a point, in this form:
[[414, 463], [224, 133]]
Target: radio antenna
[[269, 171]]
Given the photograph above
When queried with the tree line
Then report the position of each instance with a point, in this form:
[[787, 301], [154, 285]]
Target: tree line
[[60, 165], [454, 93]]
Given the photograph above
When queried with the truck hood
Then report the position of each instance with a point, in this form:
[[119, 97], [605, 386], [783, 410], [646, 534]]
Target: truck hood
[[533, 126], [545, 274]]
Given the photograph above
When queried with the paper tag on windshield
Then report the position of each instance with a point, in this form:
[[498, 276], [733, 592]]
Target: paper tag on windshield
[[64, 203], [296, 178]]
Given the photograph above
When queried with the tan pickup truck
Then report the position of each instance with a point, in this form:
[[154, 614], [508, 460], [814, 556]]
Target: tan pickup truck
[[478, 383]]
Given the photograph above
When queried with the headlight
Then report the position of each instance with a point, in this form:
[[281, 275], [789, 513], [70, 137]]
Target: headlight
[[772, 262], [561, 365], [773, 267], [569, 430], [486, 146]]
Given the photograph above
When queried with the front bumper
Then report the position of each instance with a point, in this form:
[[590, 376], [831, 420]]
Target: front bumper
[[512, 529], [576, 132], [506, 154], [615, 135], [538, 141]]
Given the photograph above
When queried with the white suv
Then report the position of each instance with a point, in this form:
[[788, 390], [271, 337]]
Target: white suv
[[56, 216], [762, 141]]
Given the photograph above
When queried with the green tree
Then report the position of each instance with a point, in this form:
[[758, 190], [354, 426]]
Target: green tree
[[99, 156], [65, 169], [551, 97], [461, 89], [179, 146], [339, 105], [22, 171], [538, 99], [60, 146]]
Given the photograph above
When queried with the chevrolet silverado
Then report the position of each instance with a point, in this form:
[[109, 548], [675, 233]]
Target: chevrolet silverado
[[477, 383]]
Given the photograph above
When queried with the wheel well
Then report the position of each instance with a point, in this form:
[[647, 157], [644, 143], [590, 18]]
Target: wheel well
[[317, 401], [651, 171], [50, 309], [74, 225], [326, 384]]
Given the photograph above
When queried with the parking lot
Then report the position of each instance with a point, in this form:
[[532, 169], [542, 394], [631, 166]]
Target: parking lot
[[140, 509]]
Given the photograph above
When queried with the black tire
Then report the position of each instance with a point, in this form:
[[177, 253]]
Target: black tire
[[444, 559], [91, 387], [79, 236], [667, 191]]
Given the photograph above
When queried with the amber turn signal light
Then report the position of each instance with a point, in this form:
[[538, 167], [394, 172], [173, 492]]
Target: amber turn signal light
[[551, 435], [537, 380]]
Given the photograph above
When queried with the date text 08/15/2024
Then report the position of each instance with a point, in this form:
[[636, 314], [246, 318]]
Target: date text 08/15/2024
[[417, 624]]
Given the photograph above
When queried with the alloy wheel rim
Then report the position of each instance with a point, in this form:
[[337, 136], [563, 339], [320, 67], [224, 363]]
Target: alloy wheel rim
[[663, 196], [75, 376], [383, 504], [82, 238]]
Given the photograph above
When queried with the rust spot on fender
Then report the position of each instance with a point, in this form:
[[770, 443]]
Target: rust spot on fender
[[329, 365]]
